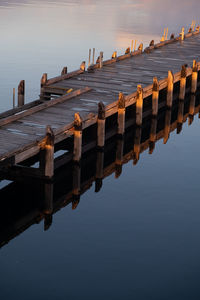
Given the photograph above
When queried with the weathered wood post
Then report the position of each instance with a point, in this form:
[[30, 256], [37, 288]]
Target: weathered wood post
[[132, 46], [21, 93], [183, 83], [101, 125], [99, 170], [114, 55], [82, 66], [89, 59], [64, 71], [137, 141], [170, 88], [93, 56], [182, 34], [119, 156], [13, 97], [48, 205], [101, 60], [152, 138], [139, 105], [121, 114], [140, 48], [155, 97], [194, 77], [76, 173], [180, 116], [167, 125], [135, 45], [77, 138], [49, 153], [191, 108], [43, 81]]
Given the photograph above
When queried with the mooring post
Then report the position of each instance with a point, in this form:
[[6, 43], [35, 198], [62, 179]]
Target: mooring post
[[140, 48], [137, 141], [155, 97], [194, 77], [183, 83], [21, 93], [167, 125], [180, 116], [77, 138], [121, 114], [191, 108], [101, 125], [82, 66], [99, 170], [43, 81], [49, 153], [119, 156], [170, 88], [152, 138], [101, 60], [114, 55], [139, 105], [93, 56], [48, 205], [64, 71], [182, 34], [89, 59], [13, 97]]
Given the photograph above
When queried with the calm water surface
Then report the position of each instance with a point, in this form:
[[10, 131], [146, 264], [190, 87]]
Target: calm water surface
[[139, 237]]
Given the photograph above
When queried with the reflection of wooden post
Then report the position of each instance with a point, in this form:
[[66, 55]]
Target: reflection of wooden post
[[139, 105], [152, 139], [48, 205], [49, 153], [180, 116], [76, 184], [137, 141], [183, 83], [21, 93], [155, 96], [194, 77], [170, 89], [77, 137], [191, 109], [121, 114], [101, 125], [119, 157], [99, 170], [167, 125]]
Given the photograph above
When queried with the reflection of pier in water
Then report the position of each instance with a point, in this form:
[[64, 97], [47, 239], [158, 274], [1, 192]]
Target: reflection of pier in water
[[42, 199]]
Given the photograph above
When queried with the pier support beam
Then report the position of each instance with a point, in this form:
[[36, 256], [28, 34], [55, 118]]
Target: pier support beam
[[170, 89], [155, 97], [194, 77], [101, 125], [77, 138], [49, 153], [121, 114], [183, 83], [21, 93], [139, 105]]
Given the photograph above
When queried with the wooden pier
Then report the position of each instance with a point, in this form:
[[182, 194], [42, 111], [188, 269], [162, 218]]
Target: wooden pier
[[76, 110]]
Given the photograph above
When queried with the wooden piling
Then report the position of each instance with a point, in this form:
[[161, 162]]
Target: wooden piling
[[82, 66], [21, 93], [43, 82], [182, 34], [135, 45], [170, 88], [101, 125], [167, 125], [114, 55], [121, 114], [183, 83], [49, 153], [93, 56], [99, 170], [155, 96], [194, 77], [152, 138], [101, 60], [119, 156], [89, 59], [77, 138], [140, 48], [132, 46], [139, 105], [64, 71], [13, 97]]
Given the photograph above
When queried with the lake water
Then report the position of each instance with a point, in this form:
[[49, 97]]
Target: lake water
[[138, 238]]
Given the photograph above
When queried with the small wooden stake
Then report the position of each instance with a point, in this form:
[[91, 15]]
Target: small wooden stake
[[49, 153], [139, 105], [13, 97], [77, 138], [99, 171], [194, 77], [89, 57], [93, 56], [155, 97], [152, 138], [121, 114], [64, 71], [21, 93], [101, 125], [183, 82], [101, 60], [119, 157], [167, 125], [137, 141], [170, 89]]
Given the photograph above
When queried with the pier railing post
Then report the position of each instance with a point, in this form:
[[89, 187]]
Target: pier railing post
[[194, 77], [155, 97], [101, 125], [121, 114], [77, 138], [170, 88], [139, 105], [183, 83], [21, 93], [49, 153]]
